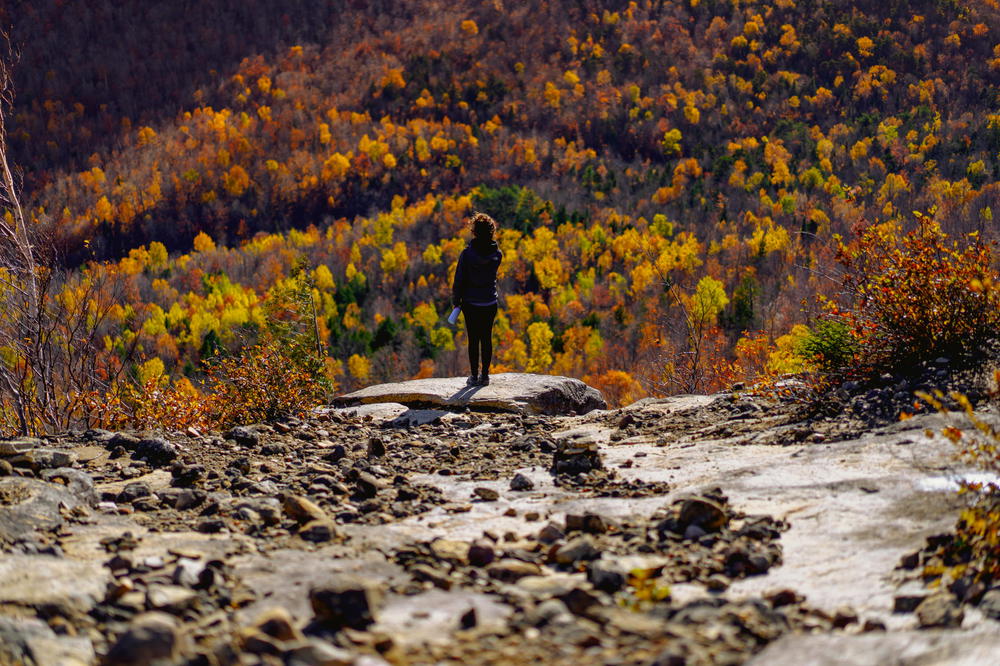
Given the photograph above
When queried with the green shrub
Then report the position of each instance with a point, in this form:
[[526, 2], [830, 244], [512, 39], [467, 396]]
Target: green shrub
[[830, 345]]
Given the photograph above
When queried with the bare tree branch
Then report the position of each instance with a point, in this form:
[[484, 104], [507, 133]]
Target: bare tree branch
[[54, 370]]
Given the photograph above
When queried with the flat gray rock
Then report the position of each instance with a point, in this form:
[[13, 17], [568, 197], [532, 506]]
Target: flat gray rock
[[382, 411], [898, 648], [509, 392], [419, 417], [30, 504], [29, 640], [68, 585]]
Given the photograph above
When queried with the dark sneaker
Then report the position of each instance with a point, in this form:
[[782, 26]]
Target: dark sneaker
[[484, 380], [472, 381]]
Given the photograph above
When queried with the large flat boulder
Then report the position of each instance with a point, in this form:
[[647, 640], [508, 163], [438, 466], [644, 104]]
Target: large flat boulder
[[509, 392]]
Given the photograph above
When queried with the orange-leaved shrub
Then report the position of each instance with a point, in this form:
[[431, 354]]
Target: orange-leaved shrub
[[263, 384], [917, 296], [972, 554], [282, 374]]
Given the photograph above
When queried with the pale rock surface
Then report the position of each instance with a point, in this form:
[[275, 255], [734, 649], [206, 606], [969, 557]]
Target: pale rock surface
[[35, 581], [901, 648], [28, 504], [29, 640], [509, 391], [856, 502]]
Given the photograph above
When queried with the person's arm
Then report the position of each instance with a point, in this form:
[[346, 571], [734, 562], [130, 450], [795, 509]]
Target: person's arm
[[458, 284], [496, 282]]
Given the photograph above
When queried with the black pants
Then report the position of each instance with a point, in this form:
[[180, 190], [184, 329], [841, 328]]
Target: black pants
[[479, 325]]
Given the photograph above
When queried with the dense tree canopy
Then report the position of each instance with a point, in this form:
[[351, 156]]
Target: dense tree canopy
[[669, 176]]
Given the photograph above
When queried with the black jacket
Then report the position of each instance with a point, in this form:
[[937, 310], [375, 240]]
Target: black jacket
[[476, 276]]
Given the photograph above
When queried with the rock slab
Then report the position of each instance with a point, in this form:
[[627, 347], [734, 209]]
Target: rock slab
[[901, 648], [509, 392]]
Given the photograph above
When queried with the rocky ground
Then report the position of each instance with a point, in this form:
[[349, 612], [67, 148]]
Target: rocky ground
[[690, 530]]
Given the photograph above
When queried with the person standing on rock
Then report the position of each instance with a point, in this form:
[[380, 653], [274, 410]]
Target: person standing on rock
[[475, 291]]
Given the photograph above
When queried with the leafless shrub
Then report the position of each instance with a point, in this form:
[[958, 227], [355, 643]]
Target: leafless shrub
[[55, 371]]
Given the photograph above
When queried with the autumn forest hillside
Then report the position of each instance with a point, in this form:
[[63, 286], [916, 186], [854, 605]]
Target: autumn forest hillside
[[671, 178]]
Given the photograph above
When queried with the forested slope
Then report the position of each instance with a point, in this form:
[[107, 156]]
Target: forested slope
[[669, 175]]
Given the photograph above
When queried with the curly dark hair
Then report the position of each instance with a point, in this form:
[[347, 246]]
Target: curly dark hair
[[483, 226]]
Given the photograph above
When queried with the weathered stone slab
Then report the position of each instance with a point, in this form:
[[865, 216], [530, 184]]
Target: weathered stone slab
[[73, 586], [382, 411], [16, 447], [510, 392], [29, 640], [29, 504], [418, 417], [930, 648]]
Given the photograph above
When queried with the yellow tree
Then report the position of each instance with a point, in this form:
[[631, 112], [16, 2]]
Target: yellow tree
[[540, 339], [701, 314]]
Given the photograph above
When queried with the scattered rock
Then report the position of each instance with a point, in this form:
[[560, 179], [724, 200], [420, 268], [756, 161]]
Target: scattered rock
[[576, 550], [939, 610], [990, 603], [457, 552], [703, 512], [155, 450], [486, 494], [509, 570], [278, 623], [844, 616], [134, 491], [521, 483], [376, 447], [303, 510], [481, 553], [315, 652], [244, 437], [576, 455], [170, 598], [346, 601], [566, 586], [319, 531], [591, 523], [151, 637]]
